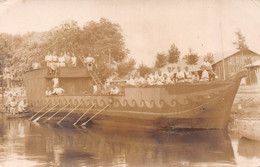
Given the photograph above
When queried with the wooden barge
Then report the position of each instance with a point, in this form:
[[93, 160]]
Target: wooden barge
[[203, 105]]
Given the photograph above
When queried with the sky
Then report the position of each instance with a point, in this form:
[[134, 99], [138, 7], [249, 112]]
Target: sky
[[148, 26]]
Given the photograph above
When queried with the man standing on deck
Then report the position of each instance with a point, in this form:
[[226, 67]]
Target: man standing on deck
[[188, 75], [180, 75], [73, 60], [90, 61], [48, 59]]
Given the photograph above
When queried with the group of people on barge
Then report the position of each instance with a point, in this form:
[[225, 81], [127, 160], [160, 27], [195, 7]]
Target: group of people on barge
[[54, 61], [171, 77]]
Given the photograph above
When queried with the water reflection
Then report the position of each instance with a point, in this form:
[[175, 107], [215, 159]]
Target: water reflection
[[28, 144], [249, 148]]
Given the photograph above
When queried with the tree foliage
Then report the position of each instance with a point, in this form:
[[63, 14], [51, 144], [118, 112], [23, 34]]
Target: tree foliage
[[209, 58], [173, 54], [191, 58], [144, 69], [161, 60], [240, 44], [98, 39], [126, 67]]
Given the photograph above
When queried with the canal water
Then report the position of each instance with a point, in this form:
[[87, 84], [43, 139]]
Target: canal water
[[25, 144]]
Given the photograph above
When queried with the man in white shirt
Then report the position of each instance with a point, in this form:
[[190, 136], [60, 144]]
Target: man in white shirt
[[95, 89], [114, 90], [139, 80], [180, 75], [159, 76], [58, 91], [61, 60], [55, 82], [131, 81], [21, 106], [166, 79], [48, 59], [90, 61], [36, 65], [169, 72], [195, 77], [73, 60], [188, 75], [48, 92], [205, 74]]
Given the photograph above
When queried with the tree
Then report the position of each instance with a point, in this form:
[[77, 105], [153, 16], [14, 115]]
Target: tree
[[173, 54], [144, 69], [240, 44], [209, 58], [191, 58], [161, 60], [126, 67], [103, 40]]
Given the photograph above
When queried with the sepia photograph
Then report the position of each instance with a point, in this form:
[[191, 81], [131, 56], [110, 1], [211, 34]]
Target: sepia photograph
[[130, 83]]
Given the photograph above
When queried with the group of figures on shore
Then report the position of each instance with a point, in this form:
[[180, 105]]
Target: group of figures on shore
[[16, 102], [169, 77]]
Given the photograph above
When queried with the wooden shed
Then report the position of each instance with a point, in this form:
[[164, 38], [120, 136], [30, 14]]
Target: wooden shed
[[75, 81], [234, 63]]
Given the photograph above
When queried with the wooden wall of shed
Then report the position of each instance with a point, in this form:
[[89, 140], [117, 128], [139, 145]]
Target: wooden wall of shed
[[233, 64], [73, 86], [35, 84]]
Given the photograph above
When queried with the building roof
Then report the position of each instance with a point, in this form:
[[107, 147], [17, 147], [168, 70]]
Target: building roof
[[227, 54], [254, 64]]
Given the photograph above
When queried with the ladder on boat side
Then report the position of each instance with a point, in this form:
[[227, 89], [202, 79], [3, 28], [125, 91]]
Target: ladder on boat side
[[94, 77]]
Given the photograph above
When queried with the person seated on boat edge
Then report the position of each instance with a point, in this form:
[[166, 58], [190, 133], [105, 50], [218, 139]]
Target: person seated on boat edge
[[90, 61], [131, 80], [22, 106], [67, 58], [114, 90], [61, 61], [195, 77], [166, 79], [169, 72], [152, 78], [180, 75], [159, 76], [73, 60], [58, 91], [148, 80], [205, 74], [48, 59], [209, 68], [107, 87], [53, 66], [188, 75], [48, 92], [139, 80]]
